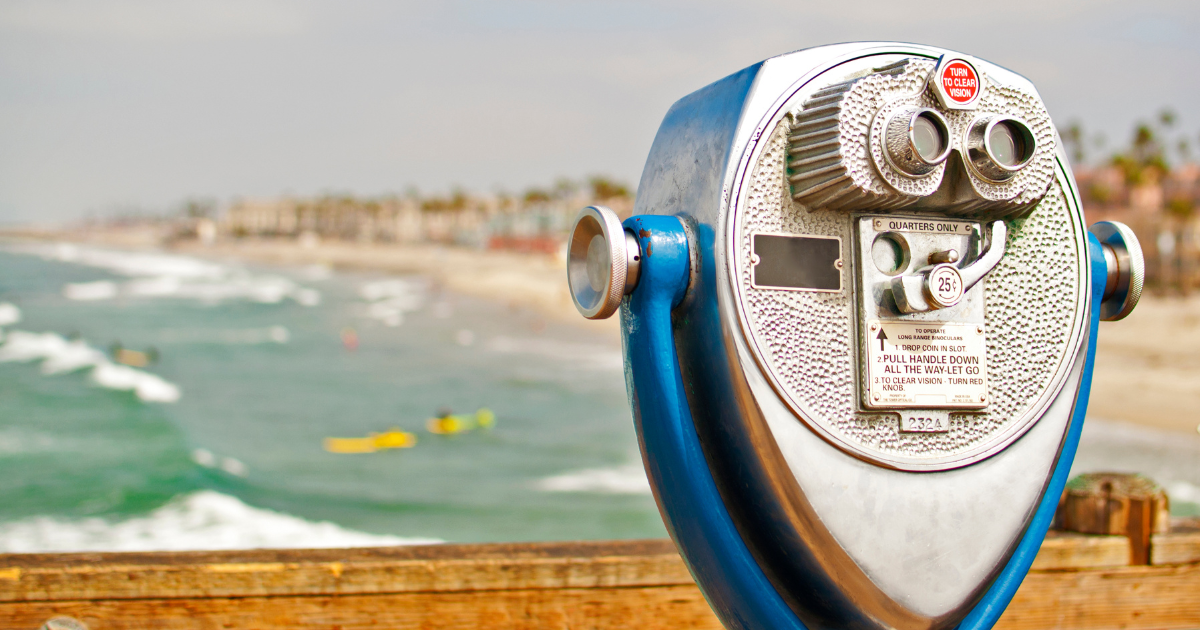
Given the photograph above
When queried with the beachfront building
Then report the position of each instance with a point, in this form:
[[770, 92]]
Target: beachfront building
[[537, 222], [1163, 208], [337, 218]]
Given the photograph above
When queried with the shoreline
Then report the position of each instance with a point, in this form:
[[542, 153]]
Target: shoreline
[[1147, 369], [535, 281], [530, 280]]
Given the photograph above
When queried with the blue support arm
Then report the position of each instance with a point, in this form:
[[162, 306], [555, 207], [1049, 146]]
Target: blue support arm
[[691, 505]]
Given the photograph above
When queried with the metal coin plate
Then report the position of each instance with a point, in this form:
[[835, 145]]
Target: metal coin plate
[[811, 345]]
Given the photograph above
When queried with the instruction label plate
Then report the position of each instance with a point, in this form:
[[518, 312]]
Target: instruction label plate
[[926, 365], [923, 226]]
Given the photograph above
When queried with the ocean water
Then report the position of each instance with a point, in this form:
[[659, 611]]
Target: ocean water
[[218, 443]]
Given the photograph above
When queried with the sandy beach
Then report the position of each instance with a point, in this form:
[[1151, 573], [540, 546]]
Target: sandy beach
[[535, 281], [1148, 365]]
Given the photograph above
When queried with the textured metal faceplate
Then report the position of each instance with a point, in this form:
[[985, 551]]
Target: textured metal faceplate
[[806, 341], [837, 143]]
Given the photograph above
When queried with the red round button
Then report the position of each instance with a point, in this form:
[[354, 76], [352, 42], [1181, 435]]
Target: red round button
[[960, 82]]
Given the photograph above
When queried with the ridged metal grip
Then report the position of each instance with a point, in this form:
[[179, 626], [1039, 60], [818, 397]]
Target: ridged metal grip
[[1126, 269], [602, 262]]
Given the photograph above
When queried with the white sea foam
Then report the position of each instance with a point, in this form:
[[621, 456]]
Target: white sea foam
[[306, 296], [9, 314], [626, 479], [414, 288], [60, 356], [71, 356], [390, 299], [132, 264], [26, 346], [147, 386], [203, 520], [208, 459], [579, 355], [90, 291], [204, 457], [157, 275]]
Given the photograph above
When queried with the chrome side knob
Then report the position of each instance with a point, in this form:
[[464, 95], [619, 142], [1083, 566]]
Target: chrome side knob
[[1126, 269], [603, 260]]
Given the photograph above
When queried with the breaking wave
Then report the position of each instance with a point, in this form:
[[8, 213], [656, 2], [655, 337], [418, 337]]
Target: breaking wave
[[157, 275], [9, 314], [388, 300], [61, 356], [203, 520], [626, 479]]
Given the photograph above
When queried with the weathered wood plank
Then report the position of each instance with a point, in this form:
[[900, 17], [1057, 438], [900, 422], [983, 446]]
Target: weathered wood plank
[[35, 577], [1066, 550], [349, 571], [594, 584], [1130, 598], [652, 608], [1178, 547]]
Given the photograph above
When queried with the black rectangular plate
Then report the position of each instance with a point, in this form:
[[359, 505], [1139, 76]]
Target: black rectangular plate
[[796, 263]]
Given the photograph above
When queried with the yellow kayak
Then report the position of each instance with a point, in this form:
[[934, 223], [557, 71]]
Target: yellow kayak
[[373, 442], [461, 423]]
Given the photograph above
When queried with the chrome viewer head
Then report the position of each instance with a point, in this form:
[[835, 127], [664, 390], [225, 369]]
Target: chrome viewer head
[[881, 350], [895, 136]]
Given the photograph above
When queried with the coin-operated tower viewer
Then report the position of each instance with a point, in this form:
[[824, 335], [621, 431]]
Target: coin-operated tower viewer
[[859, 305]]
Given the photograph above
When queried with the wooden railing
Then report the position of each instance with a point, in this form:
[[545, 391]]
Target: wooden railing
[[1077, 581]]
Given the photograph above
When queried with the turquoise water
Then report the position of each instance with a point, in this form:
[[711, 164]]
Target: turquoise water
[[263, 379], [218, 444]]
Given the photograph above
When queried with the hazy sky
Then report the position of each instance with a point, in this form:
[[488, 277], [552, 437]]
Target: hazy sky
[[107, 105]]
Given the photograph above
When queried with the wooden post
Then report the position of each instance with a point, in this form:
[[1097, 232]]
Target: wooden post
[[1116, 504], [1139, 528]]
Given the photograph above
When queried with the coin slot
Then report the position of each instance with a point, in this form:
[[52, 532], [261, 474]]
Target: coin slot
[[890, 253]]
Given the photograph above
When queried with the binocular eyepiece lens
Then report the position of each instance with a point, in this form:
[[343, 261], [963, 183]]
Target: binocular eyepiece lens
[[999, 147], [1007, 147], [927, 138], [917, 141]]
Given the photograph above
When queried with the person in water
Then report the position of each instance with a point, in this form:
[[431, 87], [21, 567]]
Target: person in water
[[446, 423]]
